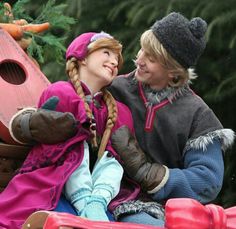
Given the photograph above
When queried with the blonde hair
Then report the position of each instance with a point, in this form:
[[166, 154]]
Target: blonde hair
[[72, 69], [155, 49]]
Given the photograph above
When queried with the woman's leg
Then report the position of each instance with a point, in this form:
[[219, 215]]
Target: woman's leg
[[106, 177], [78, 187], [141, 218], [65, 206]]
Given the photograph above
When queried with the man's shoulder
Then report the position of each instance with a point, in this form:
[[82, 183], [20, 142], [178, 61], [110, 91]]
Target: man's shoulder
[[121, 80], [124, 116], [124, 75]]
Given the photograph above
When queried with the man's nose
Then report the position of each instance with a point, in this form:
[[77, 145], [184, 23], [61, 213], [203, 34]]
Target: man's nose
[[140, 59]]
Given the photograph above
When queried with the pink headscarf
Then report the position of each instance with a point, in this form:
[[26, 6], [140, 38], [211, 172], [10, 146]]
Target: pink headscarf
[[79, 46]]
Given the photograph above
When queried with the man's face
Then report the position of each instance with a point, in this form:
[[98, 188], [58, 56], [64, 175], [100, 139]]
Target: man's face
[[150, 71]]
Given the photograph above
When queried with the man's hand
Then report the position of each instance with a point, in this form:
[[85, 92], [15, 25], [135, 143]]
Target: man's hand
[[43, 125], [151, 176]]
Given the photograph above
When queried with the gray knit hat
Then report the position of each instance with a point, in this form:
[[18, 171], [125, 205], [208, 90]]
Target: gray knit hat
[[184, 40]]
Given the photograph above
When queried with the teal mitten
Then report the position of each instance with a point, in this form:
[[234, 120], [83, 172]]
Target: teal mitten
[[51, 103]]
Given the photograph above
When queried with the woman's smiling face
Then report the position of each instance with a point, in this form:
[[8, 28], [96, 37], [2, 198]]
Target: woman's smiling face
[[103, 64]]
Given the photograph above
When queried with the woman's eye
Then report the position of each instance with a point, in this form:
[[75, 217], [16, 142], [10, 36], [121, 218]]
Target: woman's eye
[[107, 52]]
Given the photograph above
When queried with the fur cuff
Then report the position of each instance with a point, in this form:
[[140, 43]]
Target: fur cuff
[[153, 209], [25, 110], [226, 137], [163, 182]]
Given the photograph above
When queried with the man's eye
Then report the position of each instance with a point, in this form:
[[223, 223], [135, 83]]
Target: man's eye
[[151, 59]]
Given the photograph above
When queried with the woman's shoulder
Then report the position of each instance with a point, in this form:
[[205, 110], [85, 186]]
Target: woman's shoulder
[[124, 116], [122, 107], [61, 86], [64, 91], [60, 89]]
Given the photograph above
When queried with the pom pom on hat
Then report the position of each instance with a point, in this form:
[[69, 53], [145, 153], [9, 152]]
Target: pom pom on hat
[[184, 40], [79, 46], [198, 27]]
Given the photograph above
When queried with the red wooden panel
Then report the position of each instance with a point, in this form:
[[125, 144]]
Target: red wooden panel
[[21, 82]]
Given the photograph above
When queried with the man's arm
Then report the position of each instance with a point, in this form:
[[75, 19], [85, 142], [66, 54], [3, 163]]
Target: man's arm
[[42, 125], [201, 178], [151, 176]]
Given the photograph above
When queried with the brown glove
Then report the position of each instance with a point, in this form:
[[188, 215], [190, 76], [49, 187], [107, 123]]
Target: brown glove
[[151, 176], [43, 125]]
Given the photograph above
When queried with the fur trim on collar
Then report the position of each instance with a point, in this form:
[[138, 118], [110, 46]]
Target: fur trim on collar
[[171, 93], [226, 137]]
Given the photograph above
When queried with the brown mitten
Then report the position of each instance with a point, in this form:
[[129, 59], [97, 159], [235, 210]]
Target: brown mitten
[[151, 176], [43, 125]]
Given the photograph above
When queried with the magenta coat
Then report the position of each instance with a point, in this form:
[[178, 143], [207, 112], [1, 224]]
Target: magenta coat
[[40, 181]]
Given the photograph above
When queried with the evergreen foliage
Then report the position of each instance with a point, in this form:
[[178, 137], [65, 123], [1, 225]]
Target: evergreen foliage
[[49, 44]]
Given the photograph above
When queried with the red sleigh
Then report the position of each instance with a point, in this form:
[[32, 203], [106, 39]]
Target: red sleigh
[[181, 213], [21, 82]]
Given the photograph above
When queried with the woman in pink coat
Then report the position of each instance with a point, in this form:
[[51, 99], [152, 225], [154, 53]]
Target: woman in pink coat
[[84, 168]]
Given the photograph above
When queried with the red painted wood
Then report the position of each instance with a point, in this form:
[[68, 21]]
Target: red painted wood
[[57, 220], [187, 213], [21, 82], [181, 213]]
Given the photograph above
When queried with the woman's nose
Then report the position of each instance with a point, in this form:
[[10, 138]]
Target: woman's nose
[[114, 61]]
